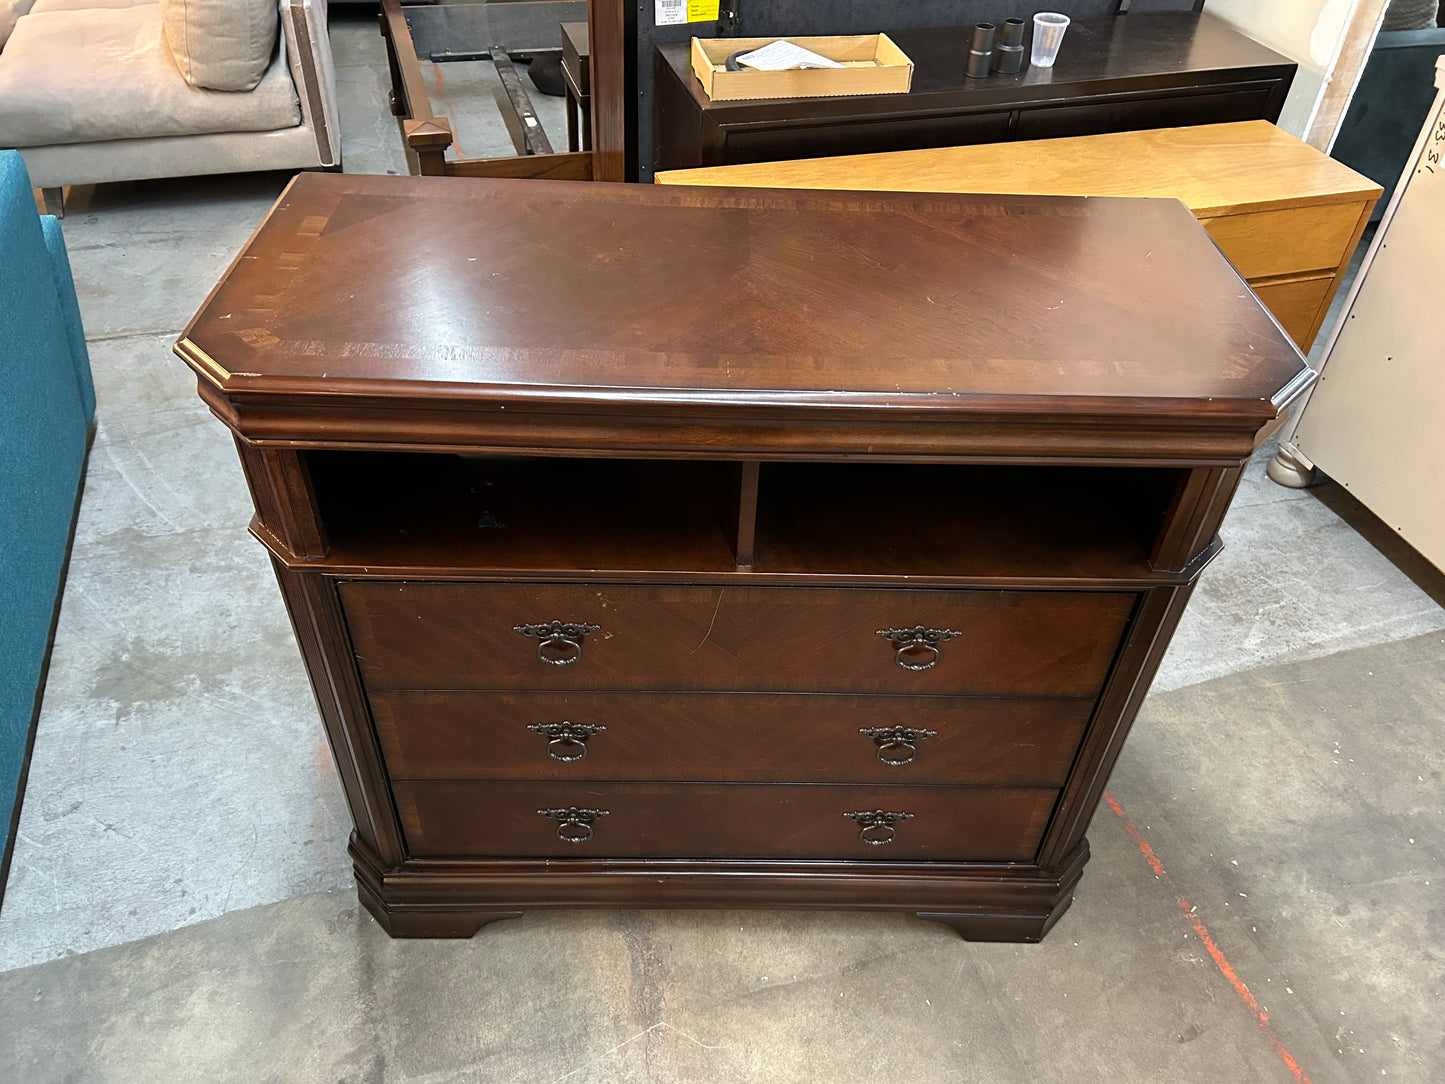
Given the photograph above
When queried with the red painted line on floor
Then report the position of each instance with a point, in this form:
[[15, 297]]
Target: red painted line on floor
[[1223, 964], [1290, 1064], [1215, 952], [1144, 848], [442, 94]]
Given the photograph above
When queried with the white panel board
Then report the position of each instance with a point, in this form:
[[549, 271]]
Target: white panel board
[[1376, 420]]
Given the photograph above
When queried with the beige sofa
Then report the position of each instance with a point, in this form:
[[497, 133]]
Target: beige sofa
[[115, 90]]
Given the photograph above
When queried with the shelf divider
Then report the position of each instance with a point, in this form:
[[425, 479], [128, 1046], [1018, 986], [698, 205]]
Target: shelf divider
[[747, 521]]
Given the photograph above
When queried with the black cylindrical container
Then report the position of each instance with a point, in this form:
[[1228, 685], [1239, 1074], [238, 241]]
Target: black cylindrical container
[[1008, 54], [980, 51]]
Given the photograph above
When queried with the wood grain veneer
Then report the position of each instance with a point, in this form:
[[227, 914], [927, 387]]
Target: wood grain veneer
[[1213, 169], [461, 636], [724, 438], [732, 737], [1277, 207], [997, 824], [1134, 331]]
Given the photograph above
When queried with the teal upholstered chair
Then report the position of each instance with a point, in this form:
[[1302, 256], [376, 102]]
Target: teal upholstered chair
[[47, 405]]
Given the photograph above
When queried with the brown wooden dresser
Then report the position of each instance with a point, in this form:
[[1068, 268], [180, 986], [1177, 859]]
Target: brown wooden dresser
[[671, 547], [1287, 216]]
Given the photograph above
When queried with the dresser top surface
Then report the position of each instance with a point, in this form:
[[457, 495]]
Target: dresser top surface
[[629, 298], [1097, 56], [1214, 169]]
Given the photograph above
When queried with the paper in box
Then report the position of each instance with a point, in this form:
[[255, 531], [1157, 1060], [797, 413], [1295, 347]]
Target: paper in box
[[874, 66]]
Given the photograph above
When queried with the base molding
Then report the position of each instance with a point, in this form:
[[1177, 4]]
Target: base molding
[[399, 920], [435, 898], [1027, 929]]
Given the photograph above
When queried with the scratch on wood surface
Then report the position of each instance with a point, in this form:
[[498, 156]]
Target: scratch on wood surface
[[711, 623]]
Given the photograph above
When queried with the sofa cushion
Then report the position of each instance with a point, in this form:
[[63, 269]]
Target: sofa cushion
[[83, 5], [221, 44], [86, 76], [10, 10]]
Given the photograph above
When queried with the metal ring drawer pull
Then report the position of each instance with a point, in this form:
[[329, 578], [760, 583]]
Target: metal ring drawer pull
[[566, 741], [575, 825], [897, 745], [876, 828], [917, 648], [561, 641]]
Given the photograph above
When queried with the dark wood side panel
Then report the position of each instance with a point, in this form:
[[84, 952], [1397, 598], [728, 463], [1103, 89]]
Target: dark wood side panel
[[285, 503], [461, 635], [677, 123], [321, 634], [1159, 615], [1198, 506], [716, 820], [1207, 496], [730, 737], [612, 104]]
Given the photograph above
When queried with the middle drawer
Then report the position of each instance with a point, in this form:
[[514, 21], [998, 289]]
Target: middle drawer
[[510, 636], [759, 737]]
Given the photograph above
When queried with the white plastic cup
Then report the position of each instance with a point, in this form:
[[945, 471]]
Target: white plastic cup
[[1049, 27]]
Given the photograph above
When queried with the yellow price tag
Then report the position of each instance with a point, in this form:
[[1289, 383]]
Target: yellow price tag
[[702, 11]]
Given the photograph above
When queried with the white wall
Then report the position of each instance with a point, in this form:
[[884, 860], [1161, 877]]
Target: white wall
[[1307, 31]]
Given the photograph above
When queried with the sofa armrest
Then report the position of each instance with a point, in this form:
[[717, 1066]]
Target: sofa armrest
[[308, 53], [70, 312]]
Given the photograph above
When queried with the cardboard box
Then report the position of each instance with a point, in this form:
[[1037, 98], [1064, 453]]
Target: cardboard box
[[875, 66]]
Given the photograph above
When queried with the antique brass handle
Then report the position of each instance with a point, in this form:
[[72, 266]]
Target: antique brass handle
[[917, 648], [574, 825], [876, 828], [566, 741], [560, 641], [897, 745]]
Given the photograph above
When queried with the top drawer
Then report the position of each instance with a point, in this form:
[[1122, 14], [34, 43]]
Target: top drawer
[[463, 636], [1288, 242]]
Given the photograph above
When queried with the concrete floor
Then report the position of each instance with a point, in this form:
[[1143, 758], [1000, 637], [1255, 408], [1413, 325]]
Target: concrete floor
[[1264, 904]]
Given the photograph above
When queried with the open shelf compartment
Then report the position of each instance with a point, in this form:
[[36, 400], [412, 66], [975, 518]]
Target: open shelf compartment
[[837, 519], [411, 509], [959, 520]]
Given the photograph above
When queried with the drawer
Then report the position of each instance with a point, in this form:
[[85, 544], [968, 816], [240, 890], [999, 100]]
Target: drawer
[[724, 737], [681, 820], [1248, 101], [862, 137], [730, 639], [1288, 242], [1297, 304]]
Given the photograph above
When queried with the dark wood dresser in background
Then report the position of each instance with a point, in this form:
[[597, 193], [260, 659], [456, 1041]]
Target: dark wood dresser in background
[[672, 547], [1163, 70]]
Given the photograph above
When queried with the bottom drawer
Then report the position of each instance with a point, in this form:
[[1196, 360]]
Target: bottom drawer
[[721, 820], [1296, 304]]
